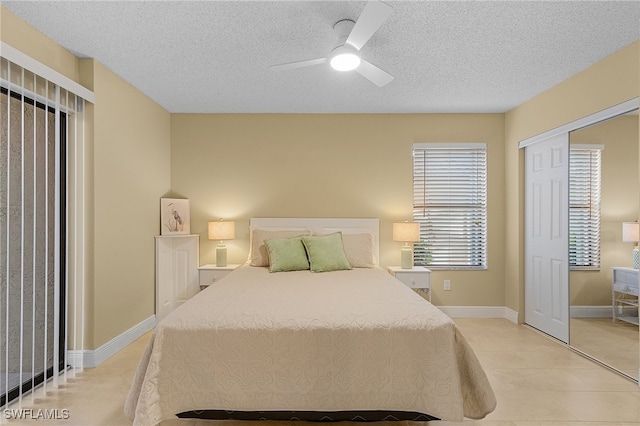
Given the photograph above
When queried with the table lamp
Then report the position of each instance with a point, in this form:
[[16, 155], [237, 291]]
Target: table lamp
[[407, 232], [221, 231], [631, 234]]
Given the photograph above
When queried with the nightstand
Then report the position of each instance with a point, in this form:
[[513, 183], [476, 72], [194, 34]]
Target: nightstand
[[417, 278], [209, 274], [624, 294]]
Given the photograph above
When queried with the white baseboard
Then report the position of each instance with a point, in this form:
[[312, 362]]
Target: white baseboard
[[93, 357], [480, 312], [511, 315], [591, 311]]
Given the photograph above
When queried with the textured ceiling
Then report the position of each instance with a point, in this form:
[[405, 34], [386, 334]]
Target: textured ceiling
[[446, 56]]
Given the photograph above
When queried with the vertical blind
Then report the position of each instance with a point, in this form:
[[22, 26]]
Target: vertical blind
[[584, 206], [42, 230], [450, 203]]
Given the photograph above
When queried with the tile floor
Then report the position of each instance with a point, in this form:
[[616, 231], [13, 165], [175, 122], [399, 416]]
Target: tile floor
[[536, 380]]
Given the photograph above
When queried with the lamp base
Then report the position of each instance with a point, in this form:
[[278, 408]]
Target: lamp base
[[636, 258], [407, 258], [221, 256]]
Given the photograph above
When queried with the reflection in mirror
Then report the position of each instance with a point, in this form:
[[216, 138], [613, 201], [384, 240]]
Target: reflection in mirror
[[604, 323]]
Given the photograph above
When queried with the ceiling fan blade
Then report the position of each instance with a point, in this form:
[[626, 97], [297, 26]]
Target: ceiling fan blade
[[300, 64], [374, 74], [371, 18]]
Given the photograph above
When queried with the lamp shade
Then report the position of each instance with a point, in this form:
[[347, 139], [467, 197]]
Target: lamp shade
[[630, 232], [222, 230], [408, 232]]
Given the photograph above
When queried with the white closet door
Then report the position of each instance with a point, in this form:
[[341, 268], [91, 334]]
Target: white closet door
[[547, 236]]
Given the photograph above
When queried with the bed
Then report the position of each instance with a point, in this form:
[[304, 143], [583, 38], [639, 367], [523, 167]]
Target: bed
[[335, 345]]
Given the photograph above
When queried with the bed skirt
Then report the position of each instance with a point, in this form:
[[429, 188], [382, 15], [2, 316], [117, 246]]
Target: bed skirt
[[310, 416]]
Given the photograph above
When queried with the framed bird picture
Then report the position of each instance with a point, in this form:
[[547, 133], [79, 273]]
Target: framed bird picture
[[174, 216]]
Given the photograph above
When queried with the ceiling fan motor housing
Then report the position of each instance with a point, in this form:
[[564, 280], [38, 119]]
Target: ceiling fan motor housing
[[342, 29], [344, 56]]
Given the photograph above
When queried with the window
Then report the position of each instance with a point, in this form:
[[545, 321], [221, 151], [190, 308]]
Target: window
[[42, 224], [584, 206], [450, 203]]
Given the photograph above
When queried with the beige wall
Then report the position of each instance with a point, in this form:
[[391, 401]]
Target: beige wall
[[619, 203], [336, 165], [128, 171], [239, 166], [608, 82], [131, 172]]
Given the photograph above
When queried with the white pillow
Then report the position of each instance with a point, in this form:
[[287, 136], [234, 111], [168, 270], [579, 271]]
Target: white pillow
[[359, 250], [259, 255]]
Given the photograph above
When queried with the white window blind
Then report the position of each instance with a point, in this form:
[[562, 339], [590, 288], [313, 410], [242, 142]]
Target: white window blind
[[584, 206], [42, 228], [450, 203]]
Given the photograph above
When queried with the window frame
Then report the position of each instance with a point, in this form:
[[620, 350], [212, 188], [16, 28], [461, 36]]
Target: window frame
[[31, 381]]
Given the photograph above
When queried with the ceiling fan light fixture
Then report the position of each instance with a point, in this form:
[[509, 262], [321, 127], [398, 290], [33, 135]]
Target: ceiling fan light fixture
[[344, 59], [350, 38]]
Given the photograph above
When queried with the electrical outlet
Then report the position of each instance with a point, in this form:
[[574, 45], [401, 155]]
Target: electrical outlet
[[447, 285]]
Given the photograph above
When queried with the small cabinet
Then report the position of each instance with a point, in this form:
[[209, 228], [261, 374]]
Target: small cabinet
[[624, 294], [176, 272], [417, 278], [209, 274]]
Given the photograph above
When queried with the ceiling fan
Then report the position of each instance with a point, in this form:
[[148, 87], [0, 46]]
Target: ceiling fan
[[352, 36]]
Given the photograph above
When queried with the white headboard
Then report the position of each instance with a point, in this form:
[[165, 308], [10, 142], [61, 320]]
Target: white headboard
[[323, 226]]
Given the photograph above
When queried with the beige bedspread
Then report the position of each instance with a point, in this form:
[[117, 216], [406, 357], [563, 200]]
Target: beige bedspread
[[333, 341]]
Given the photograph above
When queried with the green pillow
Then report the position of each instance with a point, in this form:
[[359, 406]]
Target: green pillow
[[286, 254], [326, 253]]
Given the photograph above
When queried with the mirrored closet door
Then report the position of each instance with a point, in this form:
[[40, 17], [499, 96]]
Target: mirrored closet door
[[604, 193]]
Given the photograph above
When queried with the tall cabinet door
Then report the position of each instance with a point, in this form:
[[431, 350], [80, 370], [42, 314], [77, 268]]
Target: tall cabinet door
[[176, 272], [547, 236]]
